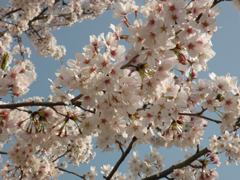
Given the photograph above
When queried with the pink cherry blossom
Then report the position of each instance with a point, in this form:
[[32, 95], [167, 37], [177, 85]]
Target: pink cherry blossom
[[113, 98]]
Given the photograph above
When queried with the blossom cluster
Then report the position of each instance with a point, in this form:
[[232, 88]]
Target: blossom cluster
[[148, 93], [198, 169], [17, 79], [36, 18], [148, 166], [226, 143], [151, 164], [44, 134]]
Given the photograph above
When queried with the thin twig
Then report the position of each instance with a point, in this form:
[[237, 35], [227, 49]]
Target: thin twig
[[120, 147], [3, 32], [197, 148], [62, 155], [202, 111], [10, 12], [36, 32], [216, 2], [129, 62], [88, 110], [70, 172], [196, 167], [2, 152], [41, 13], [204, 117]]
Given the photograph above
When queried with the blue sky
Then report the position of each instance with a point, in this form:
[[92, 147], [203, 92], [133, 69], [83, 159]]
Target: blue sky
[[225, 44]]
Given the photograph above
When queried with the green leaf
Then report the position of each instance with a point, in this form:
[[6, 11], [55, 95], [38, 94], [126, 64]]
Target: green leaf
[[4, 61]]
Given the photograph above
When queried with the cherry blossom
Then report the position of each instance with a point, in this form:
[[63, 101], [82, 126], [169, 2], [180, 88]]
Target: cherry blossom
[[122, 9], [113, 98]]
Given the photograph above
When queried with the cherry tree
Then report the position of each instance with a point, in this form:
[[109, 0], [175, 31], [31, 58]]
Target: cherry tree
[[114, 98]]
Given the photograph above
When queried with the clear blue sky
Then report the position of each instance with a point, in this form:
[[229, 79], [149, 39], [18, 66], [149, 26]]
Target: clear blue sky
[[225, 44]]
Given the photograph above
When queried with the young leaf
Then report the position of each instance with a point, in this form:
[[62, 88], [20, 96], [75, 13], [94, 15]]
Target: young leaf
[[4, 61]]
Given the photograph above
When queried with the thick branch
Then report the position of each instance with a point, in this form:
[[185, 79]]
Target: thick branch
[[33, 103], [76, 98], [124, 155], [185, 163], [48, 104]]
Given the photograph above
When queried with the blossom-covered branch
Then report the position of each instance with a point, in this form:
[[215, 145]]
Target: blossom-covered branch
[[124, 155], [185, 163], [148, 94]]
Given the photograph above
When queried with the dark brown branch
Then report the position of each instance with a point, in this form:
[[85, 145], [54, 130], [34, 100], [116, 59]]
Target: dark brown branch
[[35, 31], [33, 103], [66, 116], [10, 12], [48, 104], [196, 167], [124, 155], [204, 117], [3, 32], [185, 163], [129, 62], [76, 98], [21, 175], [202, 111], [68, 150], [2, 152], [70, 172], [88, 110], [120, 147], [41, 13], [216, 2]]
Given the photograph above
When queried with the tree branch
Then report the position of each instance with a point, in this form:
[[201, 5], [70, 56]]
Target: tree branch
[[124, 155], [2, 152], [68, 150], [3, 32], [33, 103], [70, 172], [204, 117], [38, 17], [76, 98], [185, 163], [129, 62], [216, 2], [120, 147], [48, 104], [10, 12], [34, 31]]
